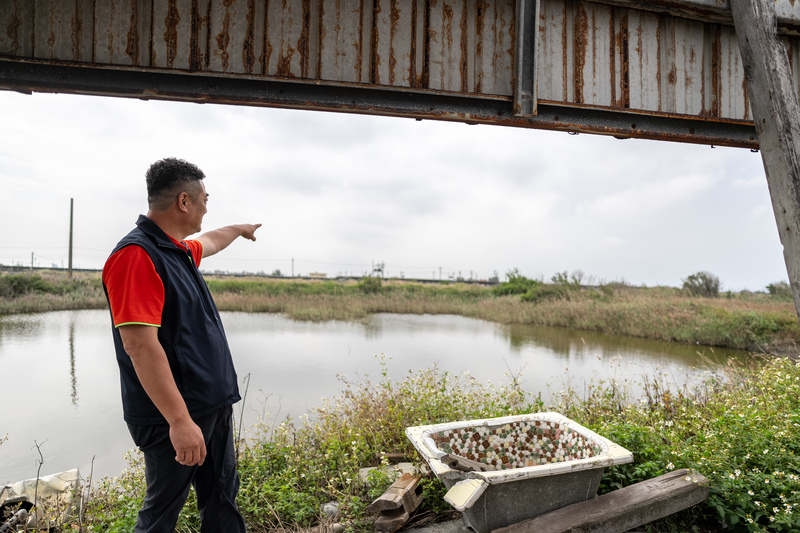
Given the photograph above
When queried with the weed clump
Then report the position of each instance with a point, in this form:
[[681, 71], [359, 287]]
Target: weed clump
[[739, 427], [516, 284], [370, 284], [16, 285], [703, 284]]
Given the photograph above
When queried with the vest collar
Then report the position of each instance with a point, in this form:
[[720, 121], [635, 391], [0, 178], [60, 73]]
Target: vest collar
[[154, 231]]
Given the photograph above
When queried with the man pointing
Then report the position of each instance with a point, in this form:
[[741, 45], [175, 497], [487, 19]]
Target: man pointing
[[177, 376]]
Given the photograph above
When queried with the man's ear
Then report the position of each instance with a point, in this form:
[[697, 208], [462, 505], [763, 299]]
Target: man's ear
[[183, 201]]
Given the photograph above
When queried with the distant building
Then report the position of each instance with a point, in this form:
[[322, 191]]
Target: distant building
[[317, 275]]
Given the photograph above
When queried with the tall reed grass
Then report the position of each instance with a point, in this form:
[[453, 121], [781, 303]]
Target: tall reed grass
[[749, 321], [50, 291]]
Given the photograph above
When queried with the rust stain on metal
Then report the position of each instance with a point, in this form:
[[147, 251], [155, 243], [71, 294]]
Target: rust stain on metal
[[447, 15], [416, 79], [110, 34], [209, 39], [413, 81], [51, 33], [581, 43], [425, 75], [639, 46], [248, 46], [12, 31], [659, 60], [716, 73], [360, 43], [499, 23], [284, 62], [194, 38], [171, 34], [464, 63], [480, 16], [375, 57], [595, 31], [223, 38], [132, 43], [304, 42], [320, 38], [624, 43], [613, 43], [268, 48], [394, 19], [564, 54], [76, 32], [689, 81]]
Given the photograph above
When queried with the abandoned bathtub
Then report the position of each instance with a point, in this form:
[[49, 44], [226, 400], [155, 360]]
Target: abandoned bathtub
[[500, 471]]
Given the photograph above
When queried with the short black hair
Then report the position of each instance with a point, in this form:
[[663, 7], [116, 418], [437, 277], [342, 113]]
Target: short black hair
[[166, 176]]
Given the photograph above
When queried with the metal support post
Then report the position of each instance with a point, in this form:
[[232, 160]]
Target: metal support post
[[525, 60]]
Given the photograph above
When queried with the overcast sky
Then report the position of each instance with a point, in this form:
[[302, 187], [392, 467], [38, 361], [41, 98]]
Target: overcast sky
[[337, 192]]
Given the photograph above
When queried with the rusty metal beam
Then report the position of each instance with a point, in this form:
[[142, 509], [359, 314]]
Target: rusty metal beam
[[356, 98]]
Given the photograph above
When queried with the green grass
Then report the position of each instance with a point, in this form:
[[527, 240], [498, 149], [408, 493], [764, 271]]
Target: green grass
[[739, 427], [50, 291], [748, 321]]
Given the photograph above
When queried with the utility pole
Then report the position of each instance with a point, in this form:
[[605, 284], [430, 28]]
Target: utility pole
[[69, 262], [31, 261], [292, 266]]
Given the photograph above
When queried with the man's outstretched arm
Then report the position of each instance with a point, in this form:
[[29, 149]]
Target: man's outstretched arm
[[217, 240]]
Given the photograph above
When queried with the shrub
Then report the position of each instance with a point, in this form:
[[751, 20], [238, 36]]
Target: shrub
[[516, 284], [703, 284], [544, 292], [370, 284], [568, 280], [15, 285], [781, 289]]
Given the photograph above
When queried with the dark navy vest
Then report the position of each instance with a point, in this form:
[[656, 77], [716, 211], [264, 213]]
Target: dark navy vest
[[191, 333]]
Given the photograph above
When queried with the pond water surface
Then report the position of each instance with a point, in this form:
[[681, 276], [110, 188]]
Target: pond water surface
[[61, 385]]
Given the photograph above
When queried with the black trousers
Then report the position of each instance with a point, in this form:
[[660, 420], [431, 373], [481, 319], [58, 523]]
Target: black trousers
[[216, 482]]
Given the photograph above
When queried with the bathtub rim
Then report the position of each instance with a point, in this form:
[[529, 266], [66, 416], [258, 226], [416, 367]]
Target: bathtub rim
[[613, 454]]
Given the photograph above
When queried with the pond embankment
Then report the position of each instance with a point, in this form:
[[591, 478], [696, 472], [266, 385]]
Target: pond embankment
[[744, 320], [738, 427]]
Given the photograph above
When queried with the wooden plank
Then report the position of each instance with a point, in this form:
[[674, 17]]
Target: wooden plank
[[776, 115], [397, 503], [623, 509], [402, 493]]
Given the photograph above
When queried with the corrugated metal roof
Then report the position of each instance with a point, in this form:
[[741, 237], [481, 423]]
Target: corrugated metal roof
[[609, 55], [447, 45]]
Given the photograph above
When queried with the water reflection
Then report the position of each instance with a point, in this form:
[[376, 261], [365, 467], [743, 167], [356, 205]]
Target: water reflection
[[66, 393], [567, 342], [73, 378]]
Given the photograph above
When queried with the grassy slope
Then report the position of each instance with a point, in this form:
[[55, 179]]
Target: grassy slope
[[745, 320]]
